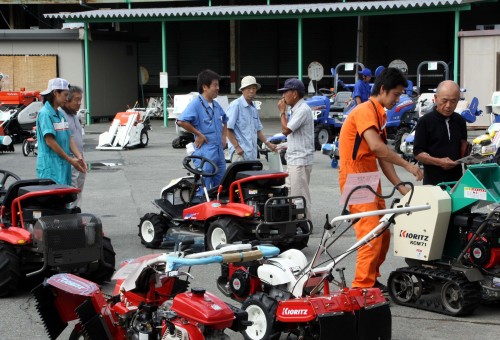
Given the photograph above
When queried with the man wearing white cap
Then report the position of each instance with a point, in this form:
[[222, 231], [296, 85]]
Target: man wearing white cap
[[244, 123], [55, 143]]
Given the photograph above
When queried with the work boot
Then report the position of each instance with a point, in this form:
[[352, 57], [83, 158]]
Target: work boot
[[381, 286]]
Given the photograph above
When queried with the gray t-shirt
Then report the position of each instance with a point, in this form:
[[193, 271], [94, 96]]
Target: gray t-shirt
[[301, 141], [75, 127]]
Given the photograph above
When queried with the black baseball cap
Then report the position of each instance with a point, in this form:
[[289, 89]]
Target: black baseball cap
[[293, 84]]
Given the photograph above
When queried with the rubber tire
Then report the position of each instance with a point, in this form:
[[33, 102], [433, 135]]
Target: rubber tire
[[258, 308], [398, 139], [10, 270], [26, 149], [77, 334], [106, 269], [230, 229], [159, 228], [144, 138], [320, 132]]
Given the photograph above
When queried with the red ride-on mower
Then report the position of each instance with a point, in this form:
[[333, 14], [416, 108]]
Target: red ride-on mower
[[39, 235], [249, 204]]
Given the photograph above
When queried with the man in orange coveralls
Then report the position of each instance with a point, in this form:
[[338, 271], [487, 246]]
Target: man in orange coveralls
[[362, 142]]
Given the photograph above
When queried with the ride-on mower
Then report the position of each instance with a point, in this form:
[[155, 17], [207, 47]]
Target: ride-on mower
[[453, 251], [150, 300], [288, 294], [249, 204], [39, 235]]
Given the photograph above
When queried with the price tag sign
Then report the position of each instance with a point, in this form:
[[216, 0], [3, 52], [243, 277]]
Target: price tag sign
[[163, 80], [315, 71], [361, 195]]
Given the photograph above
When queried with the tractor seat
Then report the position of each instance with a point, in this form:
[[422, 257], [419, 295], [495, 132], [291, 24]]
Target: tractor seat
[[277, 179], [230, 175], [53, 198], [13, 190]]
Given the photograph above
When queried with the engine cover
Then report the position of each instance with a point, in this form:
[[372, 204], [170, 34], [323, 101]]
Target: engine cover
[[421, 235], [485, 249], [204, 308], [68, 241]]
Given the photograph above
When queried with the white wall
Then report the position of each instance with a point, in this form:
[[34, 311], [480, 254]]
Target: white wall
[[478, 67]]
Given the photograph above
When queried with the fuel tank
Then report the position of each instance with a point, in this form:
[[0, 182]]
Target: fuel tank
[[204, 308]]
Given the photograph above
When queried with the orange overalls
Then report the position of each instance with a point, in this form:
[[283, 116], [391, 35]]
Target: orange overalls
[[356, 157]]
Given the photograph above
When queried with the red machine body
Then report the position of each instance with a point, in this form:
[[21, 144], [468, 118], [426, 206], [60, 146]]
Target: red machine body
[[202, 307], [158, 304], [19, 98]]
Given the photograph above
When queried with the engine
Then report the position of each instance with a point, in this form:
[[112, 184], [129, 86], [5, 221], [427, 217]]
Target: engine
[[485, 248]]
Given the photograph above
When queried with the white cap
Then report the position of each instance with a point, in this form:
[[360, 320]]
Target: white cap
[[56, 84], [247, 81]]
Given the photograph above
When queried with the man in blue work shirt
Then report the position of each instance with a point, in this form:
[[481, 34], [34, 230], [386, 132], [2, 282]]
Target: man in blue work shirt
[[55, 143], [206, 120], [362, 87], [244, 124]]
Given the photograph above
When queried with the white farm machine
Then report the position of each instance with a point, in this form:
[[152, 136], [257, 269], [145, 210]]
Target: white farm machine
[[128, 129]]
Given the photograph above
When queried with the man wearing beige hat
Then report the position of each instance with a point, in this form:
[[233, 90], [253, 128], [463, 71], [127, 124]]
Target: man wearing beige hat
[[244, 123]]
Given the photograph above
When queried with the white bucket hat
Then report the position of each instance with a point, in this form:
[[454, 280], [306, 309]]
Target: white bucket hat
[[247, 81], [56, 84]]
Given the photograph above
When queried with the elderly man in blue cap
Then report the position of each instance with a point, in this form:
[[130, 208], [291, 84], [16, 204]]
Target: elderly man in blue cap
[[362, 87], [299, 130]]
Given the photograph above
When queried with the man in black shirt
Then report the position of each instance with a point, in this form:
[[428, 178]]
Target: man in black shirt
[[440, 136]]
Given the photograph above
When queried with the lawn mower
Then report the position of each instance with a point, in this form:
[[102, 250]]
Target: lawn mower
[[249, 204], [453, 251], [150, 300], [128, 129], [288, 294], [39, 235]]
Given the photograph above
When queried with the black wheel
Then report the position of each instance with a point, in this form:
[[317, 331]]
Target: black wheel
[[151, 229], [181, 142], [107, 265], [222, 232], [261, 310], [459, 296], [26, 148], [10, 271], [77, 334], [144, 140], [404, 287], [321, 136], [400, 137]]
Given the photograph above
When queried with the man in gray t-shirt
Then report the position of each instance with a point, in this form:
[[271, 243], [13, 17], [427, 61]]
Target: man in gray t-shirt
[[299, 130], [70, 111]]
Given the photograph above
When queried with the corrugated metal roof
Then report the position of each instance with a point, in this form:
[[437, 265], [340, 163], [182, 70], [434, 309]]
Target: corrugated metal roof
[[207, 12]]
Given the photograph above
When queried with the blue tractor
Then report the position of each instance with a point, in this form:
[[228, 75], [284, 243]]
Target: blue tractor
[[330, 106]]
